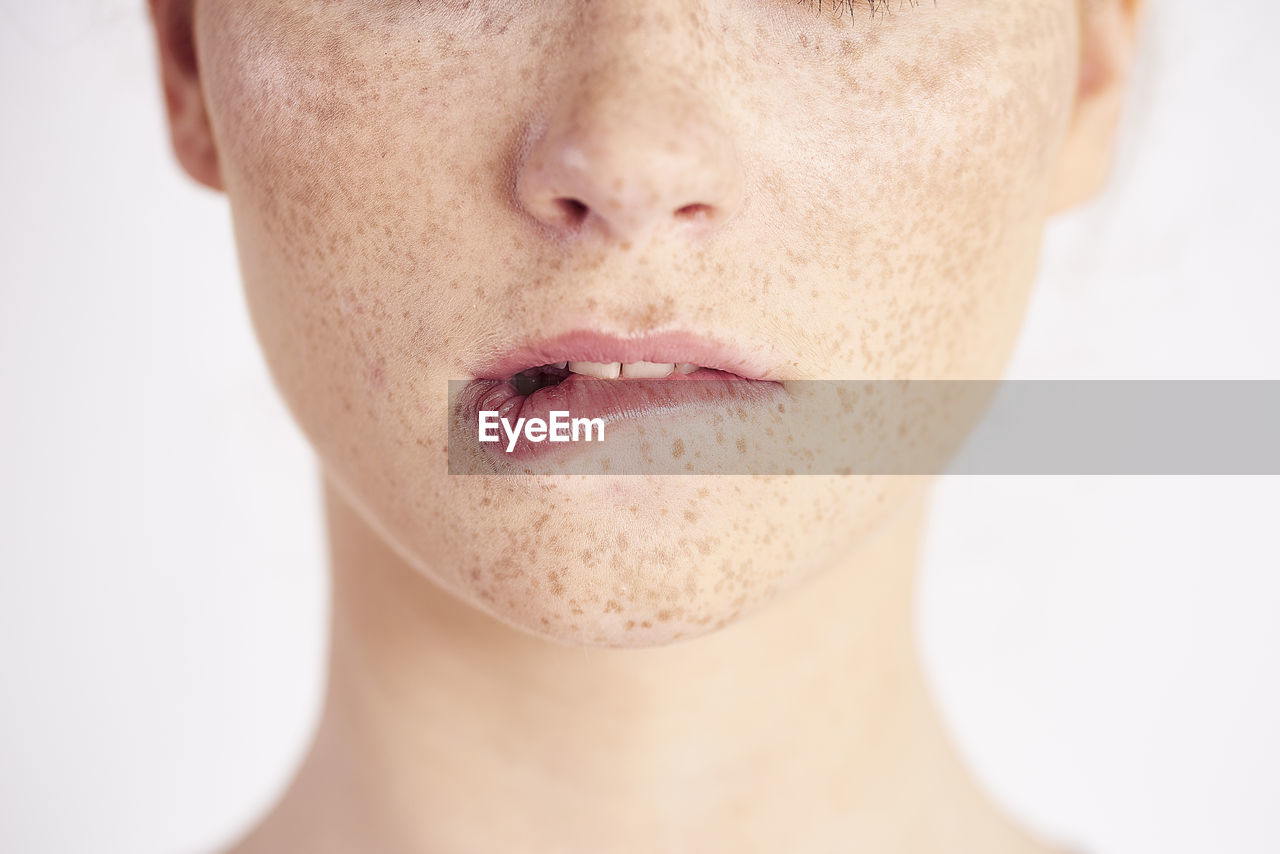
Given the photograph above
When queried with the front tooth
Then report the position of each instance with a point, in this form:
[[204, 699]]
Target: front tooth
[[602, 370], [686, 368], [647, 370]]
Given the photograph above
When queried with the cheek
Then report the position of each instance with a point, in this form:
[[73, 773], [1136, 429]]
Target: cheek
[[342, 185], [922, 199]]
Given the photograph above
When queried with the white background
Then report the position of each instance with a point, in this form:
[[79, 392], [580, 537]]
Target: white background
[[1108, 649]]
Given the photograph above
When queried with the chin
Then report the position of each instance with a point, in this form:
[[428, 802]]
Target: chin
[[634, 562]]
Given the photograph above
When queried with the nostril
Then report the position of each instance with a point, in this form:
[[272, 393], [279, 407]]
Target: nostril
[[571, 210], [696, 211]]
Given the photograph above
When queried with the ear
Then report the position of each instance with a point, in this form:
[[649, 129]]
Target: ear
[[1108, 38], [189, 126]]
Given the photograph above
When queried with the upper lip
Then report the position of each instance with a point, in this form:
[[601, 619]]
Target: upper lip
[[672, 346]]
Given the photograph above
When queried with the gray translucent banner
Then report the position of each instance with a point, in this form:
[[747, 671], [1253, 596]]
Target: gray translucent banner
[[908, 427]]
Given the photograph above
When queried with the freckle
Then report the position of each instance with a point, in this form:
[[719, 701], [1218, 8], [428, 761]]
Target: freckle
[[677, 449], [690, 516]]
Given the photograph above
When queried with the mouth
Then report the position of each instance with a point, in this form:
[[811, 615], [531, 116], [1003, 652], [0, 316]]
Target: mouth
[[621, 381]]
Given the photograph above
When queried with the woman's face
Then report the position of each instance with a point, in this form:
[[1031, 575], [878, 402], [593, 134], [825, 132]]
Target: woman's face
[[841, 194]]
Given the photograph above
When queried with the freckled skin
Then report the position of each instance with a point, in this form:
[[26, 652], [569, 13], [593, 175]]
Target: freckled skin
[[873, 193]]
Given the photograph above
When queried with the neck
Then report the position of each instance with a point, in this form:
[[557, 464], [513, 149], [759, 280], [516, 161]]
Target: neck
[[804, 727]]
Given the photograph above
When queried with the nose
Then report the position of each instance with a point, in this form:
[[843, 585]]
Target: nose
[[627, 149]]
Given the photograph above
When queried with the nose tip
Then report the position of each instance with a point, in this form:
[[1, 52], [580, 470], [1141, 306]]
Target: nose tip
[[626, 173]]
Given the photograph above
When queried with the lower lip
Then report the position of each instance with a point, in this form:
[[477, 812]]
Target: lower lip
[[615, 401]]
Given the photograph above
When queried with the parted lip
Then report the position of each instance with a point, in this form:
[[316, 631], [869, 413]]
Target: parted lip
[[673, 346]]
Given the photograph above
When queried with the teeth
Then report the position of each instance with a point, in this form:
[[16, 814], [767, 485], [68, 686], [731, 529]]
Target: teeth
[[601, 370], [647, 370], [562, 365], [631, 370]]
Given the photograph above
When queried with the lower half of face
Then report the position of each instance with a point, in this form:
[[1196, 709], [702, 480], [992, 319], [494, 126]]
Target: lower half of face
[[777, 196]]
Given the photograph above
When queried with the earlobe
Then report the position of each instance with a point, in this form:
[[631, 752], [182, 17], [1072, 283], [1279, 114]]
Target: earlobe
[[1108, 39], [189, 126]]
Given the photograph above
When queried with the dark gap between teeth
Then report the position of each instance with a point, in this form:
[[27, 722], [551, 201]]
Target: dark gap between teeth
[[528, 381]]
